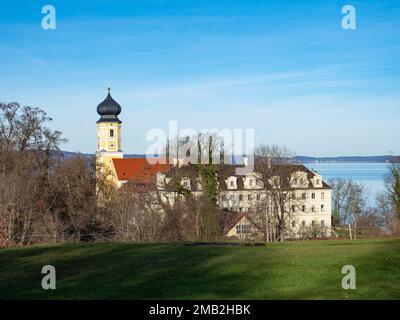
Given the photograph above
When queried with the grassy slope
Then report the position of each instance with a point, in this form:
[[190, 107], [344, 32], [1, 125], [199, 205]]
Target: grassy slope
[[299, 270]]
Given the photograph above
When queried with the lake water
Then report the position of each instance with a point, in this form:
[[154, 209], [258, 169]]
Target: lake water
[[369, 174]]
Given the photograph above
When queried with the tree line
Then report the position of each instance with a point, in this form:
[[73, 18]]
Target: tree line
[[353, 215], [45, 197]]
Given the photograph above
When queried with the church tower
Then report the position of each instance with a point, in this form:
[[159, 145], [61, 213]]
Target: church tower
[[108, 134]]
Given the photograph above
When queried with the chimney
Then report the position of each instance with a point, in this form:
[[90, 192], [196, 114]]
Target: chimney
[[188, 154], [245, 160], [210, 155], [199, 149], [178, 162], [222, 153], [167, 151]]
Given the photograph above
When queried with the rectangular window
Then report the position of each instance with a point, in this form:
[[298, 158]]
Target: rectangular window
[[258, 196], [250, 197], [303, 208], [293, 208], [293, 224], [323, 195], [238, 230], [243, 229], [322, 208], [313, 223], [313, 208], [240, 197], [303, 223], [304, 196], [232, 197], [313, 195]]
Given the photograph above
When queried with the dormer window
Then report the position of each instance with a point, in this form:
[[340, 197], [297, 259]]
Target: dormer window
[[276, 181], [317, 181], [186, 183], [231, 182]]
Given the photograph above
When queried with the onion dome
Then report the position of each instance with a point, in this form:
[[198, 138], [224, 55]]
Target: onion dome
[[109, 109]]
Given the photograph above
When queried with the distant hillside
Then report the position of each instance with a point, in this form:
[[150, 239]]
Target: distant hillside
[[384, 158], [302, 159], [68, 154]]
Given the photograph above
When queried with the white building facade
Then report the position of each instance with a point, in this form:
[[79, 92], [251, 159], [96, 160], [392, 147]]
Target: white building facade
[[307, 212]]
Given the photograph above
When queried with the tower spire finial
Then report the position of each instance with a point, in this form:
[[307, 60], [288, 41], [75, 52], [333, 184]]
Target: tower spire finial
[[109, 88]]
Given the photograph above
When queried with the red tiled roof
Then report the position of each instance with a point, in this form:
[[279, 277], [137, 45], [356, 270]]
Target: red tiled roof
[[138, 169]]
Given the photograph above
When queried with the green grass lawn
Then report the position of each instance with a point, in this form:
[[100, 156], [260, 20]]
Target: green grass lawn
[[295, 270]]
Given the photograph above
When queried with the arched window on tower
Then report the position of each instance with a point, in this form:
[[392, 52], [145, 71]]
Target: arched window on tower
[[112, 133]]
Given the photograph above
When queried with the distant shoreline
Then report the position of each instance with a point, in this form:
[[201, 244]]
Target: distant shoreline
[[343, 161], [302, 159], [347, 159]]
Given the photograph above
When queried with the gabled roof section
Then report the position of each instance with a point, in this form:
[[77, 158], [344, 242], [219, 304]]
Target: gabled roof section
[[138, 169], [232, 218]]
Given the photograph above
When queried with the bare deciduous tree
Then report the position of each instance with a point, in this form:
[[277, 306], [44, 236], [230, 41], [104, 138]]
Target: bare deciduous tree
[[134, 214], [349, 201], [280, 176], [392, 182]]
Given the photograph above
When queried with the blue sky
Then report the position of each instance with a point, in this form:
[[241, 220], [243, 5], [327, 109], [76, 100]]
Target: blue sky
[[285, 68]]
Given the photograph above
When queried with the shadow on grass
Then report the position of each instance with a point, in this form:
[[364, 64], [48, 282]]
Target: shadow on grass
[[175, 271], [120, 271]]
